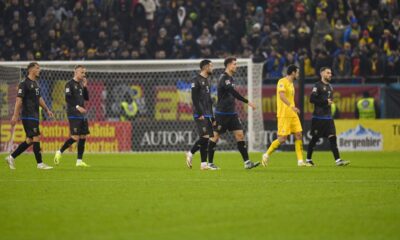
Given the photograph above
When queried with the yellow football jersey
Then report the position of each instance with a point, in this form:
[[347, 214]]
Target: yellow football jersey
[[283, 110]]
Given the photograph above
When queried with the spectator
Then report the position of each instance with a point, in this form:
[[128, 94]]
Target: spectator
[[321, 28], [322, 59], [352, 32], [287, 41], [274, 65], [342, 65], [150, 8], [338, 32]]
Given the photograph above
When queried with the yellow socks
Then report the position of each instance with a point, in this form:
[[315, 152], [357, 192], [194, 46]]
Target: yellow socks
[[299, 149], [274, 145]]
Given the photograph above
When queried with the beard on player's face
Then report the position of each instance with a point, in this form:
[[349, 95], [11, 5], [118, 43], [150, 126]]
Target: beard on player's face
[[327, 78], [36, 74]]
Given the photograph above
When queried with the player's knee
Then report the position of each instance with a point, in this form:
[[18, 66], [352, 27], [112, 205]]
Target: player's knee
[[82, 137], [36, 139], [239, 136], [282, 139], [215, 138], [333, 141], [314, 139], [28, 140], [203, 142], [298, 136], [75, 137]]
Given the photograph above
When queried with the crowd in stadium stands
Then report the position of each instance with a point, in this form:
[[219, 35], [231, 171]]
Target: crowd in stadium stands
[[355, 37]]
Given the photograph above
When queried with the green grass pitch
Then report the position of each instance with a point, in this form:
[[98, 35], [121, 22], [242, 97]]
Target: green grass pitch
[[154, 196]]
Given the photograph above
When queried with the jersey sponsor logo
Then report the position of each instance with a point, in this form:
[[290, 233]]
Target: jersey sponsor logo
[[67, 90], [19, 91], [193, 85]]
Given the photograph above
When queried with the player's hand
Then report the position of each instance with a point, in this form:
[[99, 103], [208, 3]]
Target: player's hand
[[84, 82], [14, 120], [330, 101], [201, 117], [50, 113], [296, 110], [81, 109], [251, 105]]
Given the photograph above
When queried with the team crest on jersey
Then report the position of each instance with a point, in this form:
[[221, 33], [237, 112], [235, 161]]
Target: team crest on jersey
[[324, 88], [219, 127], [67, 90], [314, 89], [227, 82], [193, 85], [31, 85], [281, 85], [19, 91], [204, 129], [35, 130], [76, 87]]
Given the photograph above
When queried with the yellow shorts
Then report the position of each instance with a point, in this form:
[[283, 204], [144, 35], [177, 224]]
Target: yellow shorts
[[287, 126]]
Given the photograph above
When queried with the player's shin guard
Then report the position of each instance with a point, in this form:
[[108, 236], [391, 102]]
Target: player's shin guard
[[274, 145], [203, 149], [211, 151], [334, 147], [36, 151], [298, 144], [20, 149], [81, 147], [243, 150], [196, 146], [67, 144], [311, 146]]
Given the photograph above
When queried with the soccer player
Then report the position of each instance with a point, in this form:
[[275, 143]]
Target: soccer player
[[29, 99], [322, 124], [76, 93], [226, 117], [287, 114], [203, 114]]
